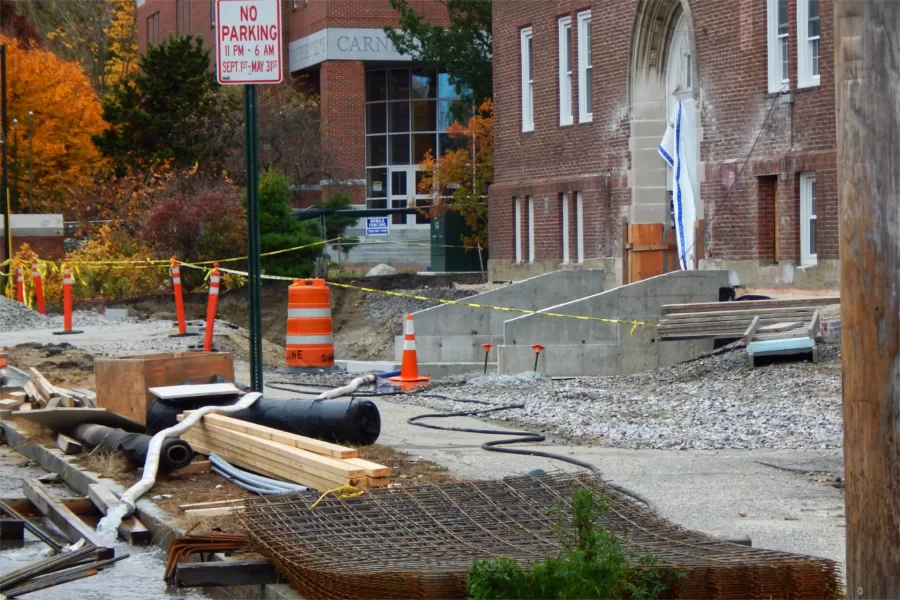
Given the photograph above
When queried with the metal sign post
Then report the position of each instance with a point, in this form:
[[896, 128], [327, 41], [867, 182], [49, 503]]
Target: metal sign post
[[248, 52]]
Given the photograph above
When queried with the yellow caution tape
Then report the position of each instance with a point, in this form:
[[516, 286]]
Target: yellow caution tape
[[634, 324]]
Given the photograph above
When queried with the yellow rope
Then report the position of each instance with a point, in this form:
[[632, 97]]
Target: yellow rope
[[344, 492]]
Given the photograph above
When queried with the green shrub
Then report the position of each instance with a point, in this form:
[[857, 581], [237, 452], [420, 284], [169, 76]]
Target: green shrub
[[592, 564]]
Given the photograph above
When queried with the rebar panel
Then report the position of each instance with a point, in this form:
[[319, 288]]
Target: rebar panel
[[420, 542]]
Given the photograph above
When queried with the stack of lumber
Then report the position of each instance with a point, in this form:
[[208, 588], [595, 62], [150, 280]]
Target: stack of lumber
[[39, 393], [320, 465], [751, 320]]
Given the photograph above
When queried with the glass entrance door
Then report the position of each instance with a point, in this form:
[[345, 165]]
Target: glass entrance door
[[403, 193]]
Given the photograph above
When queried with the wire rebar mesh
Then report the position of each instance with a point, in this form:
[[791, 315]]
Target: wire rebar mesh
[[420, 542]]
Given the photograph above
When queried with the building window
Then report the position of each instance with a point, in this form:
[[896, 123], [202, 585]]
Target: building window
[[530, 229], [517, 212], [778, 45], [565, 71], [579, 227], [808, 45], [407, 116], [564, 210], [182, 17], [527, 58], [808, 254], [585, 68], [153, 29]]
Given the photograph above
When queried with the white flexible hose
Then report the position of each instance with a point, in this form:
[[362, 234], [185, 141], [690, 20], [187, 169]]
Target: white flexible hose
[[347, 389], [151, 465]]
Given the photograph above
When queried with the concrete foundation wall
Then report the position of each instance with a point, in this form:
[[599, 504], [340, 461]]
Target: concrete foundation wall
[[450, 333], [577, 347], [826, 275]]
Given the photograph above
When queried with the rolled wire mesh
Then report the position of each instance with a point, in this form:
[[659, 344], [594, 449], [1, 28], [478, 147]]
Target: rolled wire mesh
[[420, 542]]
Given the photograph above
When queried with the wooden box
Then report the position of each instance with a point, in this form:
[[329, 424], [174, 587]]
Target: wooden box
[[122, 383]]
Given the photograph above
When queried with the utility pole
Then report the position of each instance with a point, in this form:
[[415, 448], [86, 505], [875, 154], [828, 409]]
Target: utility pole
[[868, 153], [30, 155], [254, 281], [4, 185]]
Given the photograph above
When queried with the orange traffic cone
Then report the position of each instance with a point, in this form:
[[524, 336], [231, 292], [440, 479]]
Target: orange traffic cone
[[409, 368]]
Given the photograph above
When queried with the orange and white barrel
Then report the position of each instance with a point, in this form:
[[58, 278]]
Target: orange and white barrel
[[310, 336]]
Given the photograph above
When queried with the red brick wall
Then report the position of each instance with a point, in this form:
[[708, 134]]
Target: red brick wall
[[47, 248], [731, 55]]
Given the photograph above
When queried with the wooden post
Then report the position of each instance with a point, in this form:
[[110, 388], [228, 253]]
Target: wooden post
[[868, 139]]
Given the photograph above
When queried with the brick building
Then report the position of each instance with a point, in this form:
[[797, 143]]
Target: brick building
[[582, 90], [380, 111]]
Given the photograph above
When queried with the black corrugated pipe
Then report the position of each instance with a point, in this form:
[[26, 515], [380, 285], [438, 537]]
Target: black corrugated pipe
[[175, 453], [342, 420]]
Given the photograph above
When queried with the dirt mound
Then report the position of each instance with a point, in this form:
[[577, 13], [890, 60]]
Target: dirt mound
[[62, 364]]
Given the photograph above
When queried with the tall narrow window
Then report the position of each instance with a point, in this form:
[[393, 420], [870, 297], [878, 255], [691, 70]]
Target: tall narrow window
[[565, 71], [564, 209], [808, 254], [517, 215], [530, 229], [585, 68], [778, 44], [182, 17], [527, 58], [808, 47], [579, 227], [153, 29]]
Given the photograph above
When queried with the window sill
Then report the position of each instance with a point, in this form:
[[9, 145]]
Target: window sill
[[812, 83], [569, 124], [528, 130], [586, 119], [808, 263]]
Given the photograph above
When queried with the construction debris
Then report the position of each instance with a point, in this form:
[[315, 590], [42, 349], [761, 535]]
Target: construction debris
[[182, 548], [319, 465], [420, 542]]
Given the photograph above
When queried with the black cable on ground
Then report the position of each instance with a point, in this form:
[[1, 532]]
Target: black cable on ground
[[522, 437]]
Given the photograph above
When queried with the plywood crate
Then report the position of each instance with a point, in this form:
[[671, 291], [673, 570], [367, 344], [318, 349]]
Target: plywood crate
[[123, 382]]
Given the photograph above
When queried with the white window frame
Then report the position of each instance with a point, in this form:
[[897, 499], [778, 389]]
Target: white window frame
[[565, 227], [807, 192], [805, 77], [584, 39], [579, 226], [565, 71], [530, 228], [526, 57], [777, 82], [518, 228]]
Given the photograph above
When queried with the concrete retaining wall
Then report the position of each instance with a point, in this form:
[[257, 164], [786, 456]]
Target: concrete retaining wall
[[450, 333], [576, 347]]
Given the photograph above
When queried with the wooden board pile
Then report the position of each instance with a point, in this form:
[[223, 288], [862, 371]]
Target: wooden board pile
[[274, 453], [39, 393]]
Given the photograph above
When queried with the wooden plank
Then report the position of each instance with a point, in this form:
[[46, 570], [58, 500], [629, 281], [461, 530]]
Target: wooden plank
[[12, 404], [32, 392], [53, 403], [372, 469], [216, 511], [301, 460], [812, 329], [44, 387], [226, 572], [173, 392], [61, 516], [751, 330], [202, 466], [269, 468], [373, 482], [282, 437], [68, 445], [130, 528], [213, 504], [734, 314], [750, 304]]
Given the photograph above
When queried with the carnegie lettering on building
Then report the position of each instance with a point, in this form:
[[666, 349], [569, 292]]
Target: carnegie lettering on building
[[338, 43]]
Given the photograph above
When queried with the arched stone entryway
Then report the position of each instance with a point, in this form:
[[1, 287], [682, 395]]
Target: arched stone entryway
[[662, 71]]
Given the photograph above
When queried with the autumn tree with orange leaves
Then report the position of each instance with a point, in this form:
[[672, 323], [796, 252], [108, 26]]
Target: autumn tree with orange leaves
[[66, 113], [459, 180]]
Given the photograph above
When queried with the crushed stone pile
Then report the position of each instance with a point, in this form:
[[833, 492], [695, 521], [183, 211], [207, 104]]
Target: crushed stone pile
[[383, 308], [716, 402], [16, 317]]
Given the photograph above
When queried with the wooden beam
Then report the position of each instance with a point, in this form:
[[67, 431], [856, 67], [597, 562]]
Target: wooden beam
[[868, 134], [813, 329], [372, 469], [130, 528], [226, 572], [751, 331], [216, 511], [669, 309], [68, 445], [214, 504], [61, 516], [282, 437], [44, 387]]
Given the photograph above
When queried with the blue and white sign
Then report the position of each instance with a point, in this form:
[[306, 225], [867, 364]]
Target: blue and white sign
[[377, 226]]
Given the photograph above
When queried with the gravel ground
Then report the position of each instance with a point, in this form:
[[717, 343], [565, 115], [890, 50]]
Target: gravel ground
[[715, 402], [382, 308], [18, 317]]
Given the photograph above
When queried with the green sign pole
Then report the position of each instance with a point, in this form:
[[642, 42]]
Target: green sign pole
[[254, 284]]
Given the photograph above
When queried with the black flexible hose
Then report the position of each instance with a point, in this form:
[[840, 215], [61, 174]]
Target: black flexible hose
[[522, 437]]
